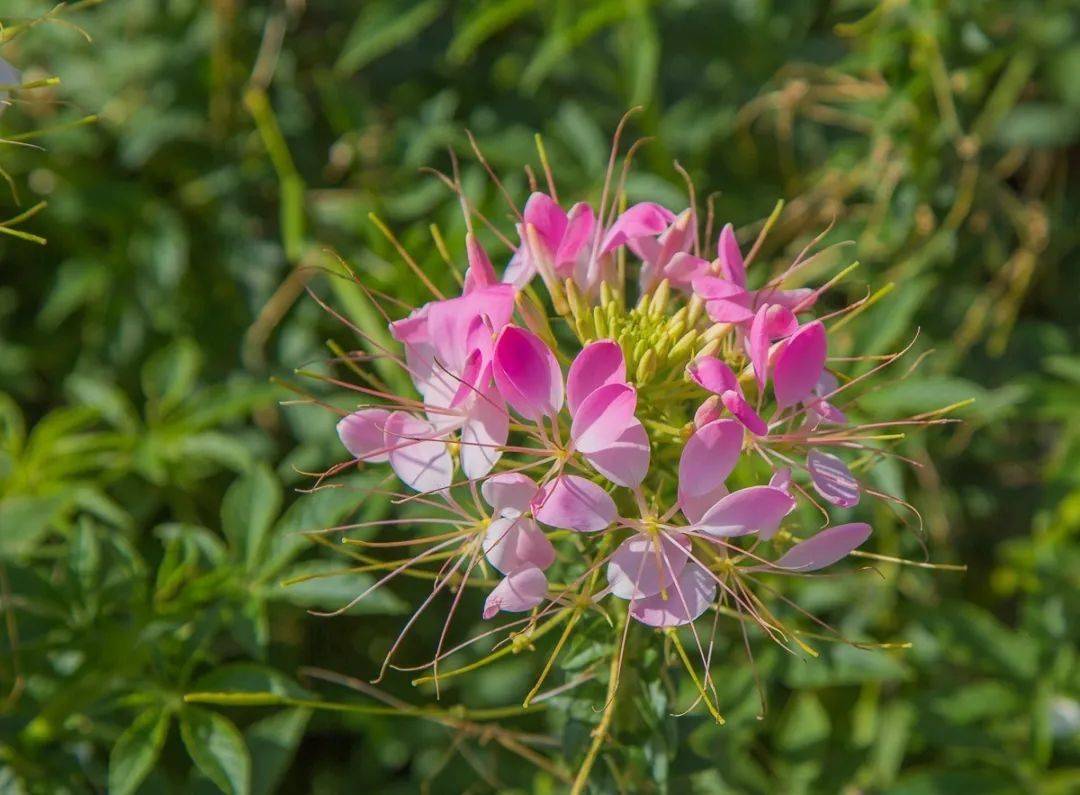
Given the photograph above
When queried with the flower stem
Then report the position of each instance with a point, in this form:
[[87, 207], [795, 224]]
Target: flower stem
[[601, 731]]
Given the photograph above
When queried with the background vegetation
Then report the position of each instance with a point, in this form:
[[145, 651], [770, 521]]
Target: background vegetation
[[148, 472]]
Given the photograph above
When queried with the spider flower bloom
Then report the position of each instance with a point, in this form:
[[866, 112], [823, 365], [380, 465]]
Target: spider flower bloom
[[662, 436]]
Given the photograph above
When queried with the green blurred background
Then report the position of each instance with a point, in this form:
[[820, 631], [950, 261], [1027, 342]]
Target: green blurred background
[[148, 472]]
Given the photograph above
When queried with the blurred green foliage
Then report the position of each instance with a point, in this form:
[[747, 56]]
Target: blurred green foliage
[[147, 511]]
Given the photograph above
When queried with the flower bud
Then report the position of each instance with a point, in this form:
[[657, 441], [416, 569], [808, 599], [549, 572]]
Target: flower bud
[[646, 368], [660, 298]]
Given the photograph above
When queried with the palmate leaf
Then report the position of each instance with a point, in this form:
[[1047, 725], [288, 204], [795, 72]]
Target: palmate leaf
[[217, 748], [273, 742], [169, 376], [26, 520], [137, 750], [248, 511]]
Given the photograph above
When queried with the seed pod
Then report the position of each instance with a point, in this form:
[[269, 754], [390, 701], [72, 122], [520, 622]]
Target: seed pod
[[578, 304], [600, 323], [709, 349], [716, 332], [685, 344], [660, 298], [605, 294], [583, 325], [535, 318], [614, 318], [646, 368], [694, 310]]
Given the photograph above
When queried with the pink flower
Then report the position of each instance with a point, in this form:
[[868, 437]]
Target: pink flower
[[558, 243], [661, 241], [574, 503], [601, 403], [448, 352], [798, 364], [514, 545], [827, 547], [832, 479], [519, 591], [712, 374], [733, 302], [512, 539], [818, 409]]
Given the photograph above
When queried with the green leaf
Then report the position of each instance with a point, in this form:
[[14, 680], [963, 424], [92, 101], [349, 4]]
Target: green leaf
[[273, 743], [323, 587], [137, 750], [250, 506], [25, 521], [217, 748], [249, 678], [326, 508], [169, 375], [382, 27], [482, 23]]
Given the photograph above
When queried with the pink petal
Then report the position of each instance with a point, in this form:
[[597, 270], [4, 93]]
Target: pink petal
[[511, 543], [572, 502], [484, 432], [797, 300], [799, 365], [480, 273], [642, 220], [475, 372], [824, 411], [418, 456], [757, 508], [712, 374], [832, 479], [695, 506], [781, 479], [509, 493], [527, 373], [599, 363], [780, 321], [677, 237], [713, 287], [683, 269], [731, 261], [412, 329], [362, 433], [521, 268], [723, 310], [759, 345], [454, 324], [689, 596], [645, 565], [825, 548], [521, 590], [626, 460], [579, 229], [706, 461], [602, 417], [549, 219], [711, 409], [735, 403], [770, 322]]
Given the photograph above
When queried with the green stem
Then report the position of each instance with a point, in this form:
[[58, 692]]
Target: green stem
[[601, 731], [267, 699]]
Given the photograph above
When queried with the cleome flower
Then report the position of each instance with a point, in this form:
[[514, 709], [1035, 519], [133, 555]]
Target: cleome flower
[[662, 450]]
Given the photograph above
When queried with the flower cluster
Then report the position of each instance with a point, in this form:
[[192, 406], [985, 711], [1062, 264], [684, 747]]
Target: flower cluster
[[602, 444]]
